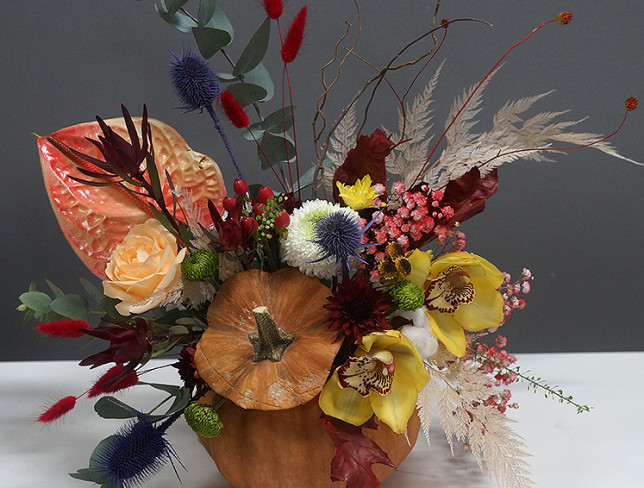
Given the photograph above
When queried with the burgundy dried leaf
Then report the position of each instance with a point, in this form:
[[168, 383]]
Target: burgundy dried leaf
[[354, 455], [367, 158], [467, 195]]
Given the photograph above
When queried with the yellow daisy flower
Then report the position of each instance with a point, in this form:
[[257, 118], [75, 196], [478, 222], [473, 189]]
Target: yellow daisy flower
[[383, 378], [359, 195]]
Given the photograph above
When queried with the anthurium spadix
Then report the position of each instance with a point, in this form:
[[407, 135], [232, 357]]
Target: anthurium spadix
[[94, 219]]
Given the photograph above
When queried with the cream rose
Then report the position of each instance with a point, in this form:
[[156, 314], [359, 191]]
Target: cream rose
[[144, 270]]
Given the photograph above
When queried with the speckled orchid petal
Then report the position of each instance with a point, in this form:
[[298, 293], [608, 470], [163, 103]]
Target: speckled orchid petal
[[394, 408]]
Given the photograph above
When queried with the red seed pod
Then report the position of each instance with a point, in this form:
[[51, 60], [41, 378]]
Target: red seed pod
[[294, 36], [630, 104], [58, 409], [229, 203], [249, 225], [233, 110], [265, 194], [564, 17], [274, 8], [259, 208], [240, 187], [282, 220]]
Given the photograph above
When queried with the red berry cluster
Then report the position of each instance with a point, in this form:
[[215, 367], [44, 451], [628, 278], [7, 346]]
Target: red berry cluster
[[410, 218]]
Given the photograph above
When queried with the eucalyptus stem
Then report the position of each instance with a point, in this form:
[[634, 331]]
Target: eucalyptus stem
[[160, 404]]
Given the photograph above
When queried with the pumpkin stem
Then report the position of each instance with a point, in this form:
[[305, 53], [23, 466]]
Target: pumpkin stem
[[270, 341]]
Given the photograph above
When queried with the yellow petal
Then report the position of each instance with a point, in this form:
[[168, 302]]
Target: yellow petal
[[484, 312], [420, 264], [395, 408], [448, 331], [379, 341], [344, 403]]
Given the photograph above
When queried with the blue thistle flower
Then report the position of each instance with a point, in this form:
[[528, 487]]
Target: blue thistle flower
[[134, 454], [196, 84], [339, 234], [197, 87]]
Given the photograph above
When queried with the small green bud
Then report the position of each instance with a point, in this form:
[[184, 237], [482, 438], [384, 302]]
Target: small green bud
[[407, 295], [201, 265], [203, 420]]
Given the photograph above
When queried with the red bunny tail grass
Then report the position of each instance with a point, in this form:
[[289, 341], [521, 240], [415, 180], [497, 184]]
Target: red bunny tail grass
[[110, 382], [63, 328], [274, 8], [233, 110], [294, 37], [58, 409]]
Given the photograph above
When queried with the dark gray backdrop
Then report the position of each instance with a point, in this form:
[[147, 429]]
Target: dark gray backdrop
[[577, 223]]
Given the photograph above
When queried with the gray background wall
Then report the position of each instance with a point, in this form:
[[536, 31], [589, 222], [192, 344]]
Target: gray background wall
[[577, 223]]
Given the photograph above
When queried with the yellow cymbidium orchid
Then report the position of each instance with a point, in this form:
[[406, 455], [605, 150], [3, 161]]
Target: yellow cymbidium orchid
[[462, 294], [359, 195], [383, 378]]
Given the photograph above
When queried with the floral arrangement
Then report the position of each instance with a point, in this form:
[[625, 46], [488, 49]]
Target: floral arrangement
[[359, 306]]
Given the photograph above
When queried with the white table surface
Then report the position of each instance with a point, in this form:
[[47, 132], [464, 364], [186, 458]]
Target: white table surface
[[597, 449]]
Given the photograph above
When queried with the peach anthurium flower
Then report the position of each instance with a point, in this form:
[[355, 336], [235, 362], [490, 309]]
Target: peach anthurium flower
[[462, 294], [383, 378]]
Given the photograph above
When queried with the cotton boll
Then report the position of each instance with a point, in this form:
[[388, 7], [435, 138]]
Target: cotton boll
[[420, 333], [422, 338]]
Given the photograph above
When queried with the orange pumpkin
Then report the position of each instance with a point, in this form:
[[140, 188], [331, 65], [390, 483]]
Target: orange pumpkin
[[290, 448], [268, 345]]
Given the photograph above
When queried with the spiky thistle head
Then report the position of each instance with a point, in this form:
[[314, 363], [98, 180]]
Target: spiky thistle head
[[195, 83], [339, 234], [134, 454]]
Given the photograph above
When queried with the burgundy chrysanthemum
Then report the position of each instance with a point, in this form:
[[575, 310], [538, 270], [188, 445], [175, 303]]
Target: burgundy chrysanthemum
[[188, 372], [357, 309]]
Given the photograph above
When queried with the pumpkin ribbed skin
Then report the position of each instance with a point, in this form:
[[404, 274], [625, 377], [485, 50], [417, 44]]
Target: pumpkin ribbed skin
[[290, 448], [223, 355]]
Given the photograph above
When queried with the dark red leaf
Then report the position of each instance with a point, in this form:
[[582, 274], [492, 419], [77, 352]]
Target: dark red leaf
[[367, 158], [354, 454], [467, 195]]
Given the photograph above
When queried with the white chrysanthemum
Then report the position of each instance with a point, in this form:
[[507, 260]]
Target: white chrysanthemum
[[299, 250]]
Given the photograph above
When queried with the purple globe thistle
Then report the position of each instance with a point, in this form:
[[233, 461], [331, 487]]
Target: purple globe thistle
[[197, 87], [134, 454], [195, 83], [340, 235]]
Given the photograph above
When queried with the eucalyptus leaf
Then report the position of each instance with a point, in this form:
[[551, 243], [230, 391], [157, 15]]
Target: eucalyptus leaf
[[89, 287], [29, 314], [247, 93], [227, 77], [72, 306], [172, 6], [179, 330], [260, 76], [254, 132], [280, 121], [37, 301], [54, 289], [206, 11], [87, 474], [178, 20], [171, 389], [307, 178], [255, 49], [180, 402], [109, 407], [210, 40], [220, 21], [274, 150]]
